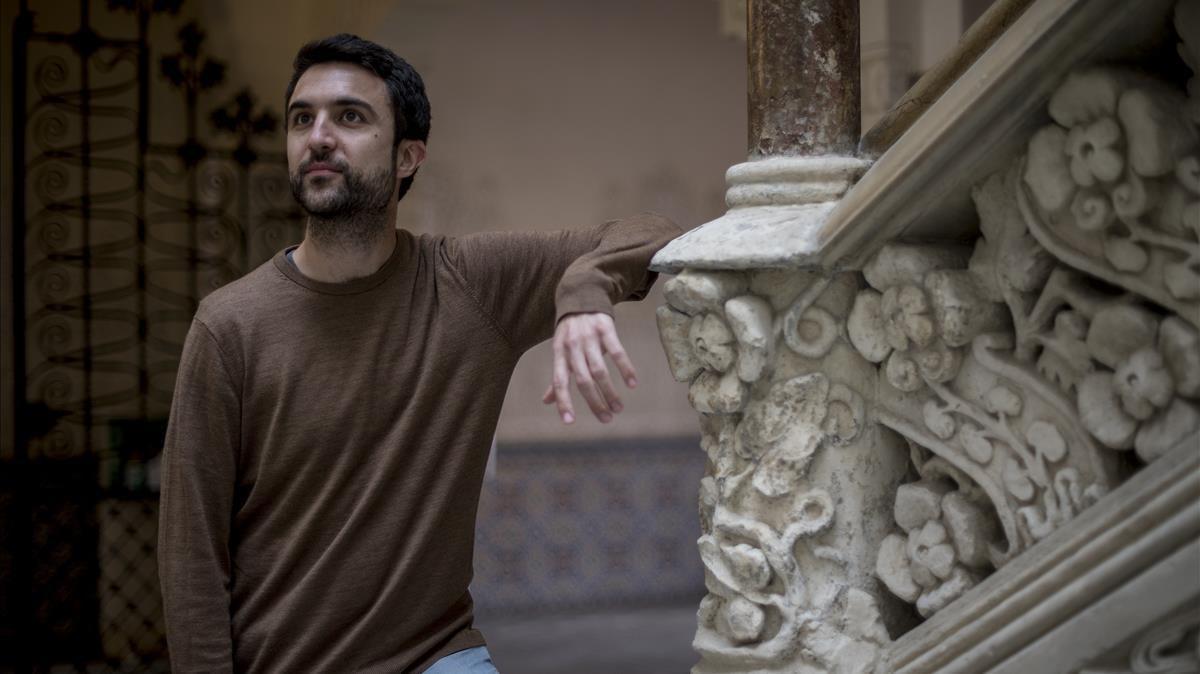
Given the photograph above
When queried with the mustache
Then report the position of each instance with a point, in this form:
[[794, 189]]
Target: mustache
[[339, 166]]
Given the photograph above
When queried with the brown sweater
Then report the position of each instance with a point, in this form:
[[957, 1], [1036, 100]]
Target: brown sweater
[[327, 443]]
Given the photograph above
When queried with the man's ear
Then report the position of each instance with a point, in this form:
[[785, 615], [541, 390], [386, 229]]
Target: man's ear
[[409, 157]]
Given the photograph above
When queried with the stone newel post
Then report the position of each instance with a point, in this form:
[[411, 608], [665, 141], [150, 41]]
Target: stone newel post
[[801, 479]]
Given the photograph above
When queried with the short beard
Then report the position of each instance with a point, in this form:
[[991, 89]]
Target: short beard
[[355, 215]]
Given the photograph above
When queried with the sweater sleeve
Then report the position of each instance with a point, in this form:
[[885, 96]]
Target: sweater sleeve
[[527, 281], [198, 477]]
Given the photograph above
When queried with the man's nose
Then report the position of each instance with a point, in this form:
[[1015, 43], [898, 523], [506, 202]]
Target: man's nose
[[321, 139]]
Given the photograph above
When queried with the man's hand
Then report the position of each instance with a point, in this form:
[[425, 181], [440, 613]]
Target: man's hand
[[580, 342]]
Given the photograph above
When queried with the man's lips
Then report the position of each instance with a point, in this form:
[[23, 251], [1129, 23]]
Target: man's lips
[[321, 169]]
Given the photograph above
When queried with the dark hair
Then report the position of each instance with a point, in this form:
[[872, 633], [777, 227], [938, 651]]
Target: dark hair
[[410, 107]]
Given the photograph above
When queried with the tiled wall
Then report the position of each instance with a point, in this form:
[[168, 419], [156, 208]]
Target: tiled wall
[[588, 526]]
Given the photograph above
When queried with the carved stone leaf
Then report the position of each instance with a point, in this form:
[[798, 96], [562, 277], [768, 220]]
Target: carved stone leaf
[[783, 466], [938, 420], [1182, 280], [741, 620], [1065, 360], [1016, 480], [892, 567], [865, 327], [1046, 437], [976, 444], [749, 565], [1125, 255], [799, 400]]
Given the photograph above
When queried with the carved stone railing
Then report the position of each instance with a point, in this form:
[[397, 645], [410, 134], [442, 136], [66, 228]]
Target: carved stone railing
[[992, 427]]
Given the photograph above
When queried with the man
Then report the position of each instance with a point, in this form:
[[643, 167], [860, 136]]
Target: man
[[334, 407]]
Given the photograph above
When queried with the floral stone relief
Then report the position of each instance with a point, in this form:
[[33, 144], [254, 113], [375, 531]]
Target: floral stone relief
[[789, 510], [1061, 351]]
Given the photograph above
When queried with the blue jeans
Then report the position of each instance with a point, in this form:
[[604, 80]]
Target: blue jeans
[[471, 661]]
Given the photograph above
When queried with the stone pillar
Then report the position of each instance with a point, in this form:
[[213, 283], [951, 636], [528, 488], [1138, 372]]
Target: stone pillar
[[800, 482], [804, 85]]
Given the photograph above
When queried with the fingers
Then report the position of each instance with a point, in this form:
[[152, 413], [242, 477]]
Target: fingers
[[580, 344], [560, 386], [585, 383], [608, 337], [599, 371]]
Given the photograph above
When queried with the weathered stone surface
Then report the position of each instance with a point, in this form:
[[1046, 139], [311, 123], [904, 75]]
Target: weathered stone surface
[[770, 446], [892, 568], [750, 318], [695, 292], [673, 329], [712, 342], [715, 393], [972, 530]]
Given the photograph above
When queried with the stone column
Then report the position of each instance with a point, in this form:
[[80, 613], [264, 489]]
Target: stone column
[[804, 85], [801, 479]]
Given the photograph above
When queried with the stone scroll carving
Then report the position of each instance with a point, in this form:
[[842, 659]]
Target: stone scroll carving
[[789, 586], [1170, 647], [1025, 368]]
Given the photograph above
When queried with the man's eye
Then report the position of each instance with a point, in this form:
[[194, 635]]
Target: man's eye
[[352, 116], [301, 118]]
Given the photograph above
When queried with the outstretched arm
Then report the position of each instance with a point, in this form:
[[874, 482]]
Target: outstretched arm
[[569, 280]]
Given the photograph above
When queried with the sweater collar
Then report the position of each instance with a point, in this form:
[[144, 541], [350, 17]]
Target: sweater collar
[[351, 287]]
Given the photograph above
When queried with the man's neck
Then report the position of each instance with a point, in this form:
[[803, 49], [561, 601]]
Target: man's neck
[[334, 263]]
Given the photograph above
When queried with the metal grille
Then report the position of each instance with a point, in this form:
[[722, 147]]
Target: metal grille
[[131, 203]]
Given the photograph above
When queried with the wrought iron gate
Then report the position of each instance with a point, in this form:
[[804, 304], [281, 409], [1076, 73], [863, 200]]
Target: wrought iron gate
[[129, 205]]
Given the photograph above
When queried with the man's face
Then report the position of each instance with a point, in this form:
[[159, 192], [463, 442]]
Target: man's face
[[339, 141]]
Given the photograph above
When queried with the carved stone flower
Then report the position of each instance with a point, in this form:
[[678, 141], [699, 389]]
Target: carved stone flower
[[900, 327], [1143, 383], [1094, 152], [931, 557], [945, 549], [1142, 402]]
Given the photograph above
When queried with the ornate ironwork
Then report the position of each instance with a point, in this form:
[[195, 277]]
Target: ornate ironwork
[[122, 224]]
